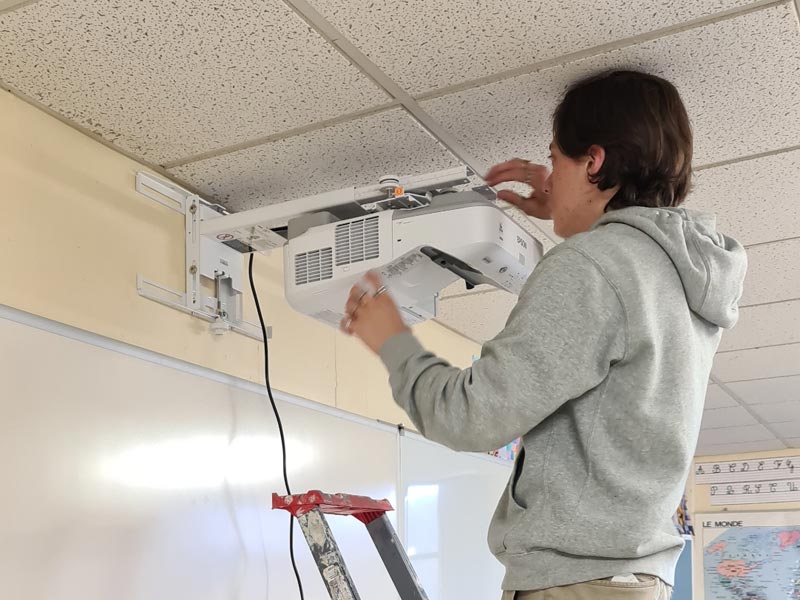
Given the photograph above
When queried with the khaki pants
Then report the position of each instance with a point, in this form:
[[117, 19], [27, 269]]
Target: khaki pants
[[648, 588]]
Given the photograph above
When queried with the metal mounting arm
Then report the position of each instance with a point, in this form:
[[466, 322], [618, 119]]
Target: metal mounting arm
[[204, 258], [256, 229]]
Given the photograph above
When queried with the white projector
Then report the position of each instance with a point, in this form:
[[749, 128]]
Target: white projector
[[418, 250]]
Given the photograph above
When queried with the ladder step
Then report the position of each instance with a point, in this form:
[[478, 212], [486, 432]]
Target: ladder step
[[363, 508]]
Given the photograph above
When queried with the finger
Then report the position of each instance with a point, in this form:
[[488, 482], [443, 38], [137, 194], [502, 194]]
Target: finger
[[353, 302], [352, 306], [374, 281], [358, 294], [525, 173], [509, 164], [346, 326], [521, 174], [496, 170], [530, 174]]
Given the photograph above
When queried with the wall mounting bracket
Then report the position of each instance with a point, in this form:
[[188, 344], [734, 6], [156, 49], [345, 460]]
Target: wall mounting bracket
[[205, 258]]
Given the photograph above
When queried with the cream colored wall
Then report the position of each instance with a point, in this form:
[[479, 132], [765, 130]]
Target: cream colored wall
[[361, 385], [74, 235]]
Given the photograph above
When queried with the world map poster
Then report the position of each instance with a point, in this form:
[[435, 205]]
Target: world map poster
[[750, 556]]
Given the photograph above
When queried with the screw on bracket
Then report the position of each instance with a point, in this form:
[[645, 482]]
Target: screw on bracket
[[193, 269], [193, 208]]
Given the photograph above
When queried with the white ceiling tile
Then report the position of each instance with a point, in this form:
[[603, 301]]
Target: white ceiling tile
[[761, 363], [765, 325], [787, 430], [728, 435], [355, 153], [773, 272], [734, 416], [778, 412], [766, 391], [755, 201], [717, 398], [507, 119], [479, 317], [166, 80], [428, 44], [738, 447], [738, 79]]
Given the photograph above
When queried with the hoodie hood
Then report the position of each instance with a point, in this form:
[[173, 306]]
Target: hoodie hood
[[711, 265]]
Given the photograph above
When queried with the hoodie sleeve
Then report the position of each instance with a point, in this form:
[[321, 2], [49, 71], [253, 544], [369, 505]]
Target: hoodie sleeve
[[559, 342]]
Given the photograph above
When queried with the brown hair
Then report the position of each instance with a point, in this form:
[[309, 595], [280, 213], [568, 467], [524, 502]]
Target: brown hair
[[640, 121]]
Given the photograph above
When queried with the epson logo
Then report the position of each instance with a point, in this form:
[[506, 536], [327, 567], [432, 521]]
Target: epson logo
[[522, 242]]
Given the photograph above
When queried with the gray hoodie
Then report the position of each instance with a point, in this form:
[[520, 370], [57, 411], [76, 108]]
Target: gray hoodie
[[602, 369]]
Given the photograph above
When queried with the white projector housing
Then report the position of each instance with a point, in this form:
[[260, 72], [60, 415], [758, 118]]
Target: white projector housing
[[417, 251]]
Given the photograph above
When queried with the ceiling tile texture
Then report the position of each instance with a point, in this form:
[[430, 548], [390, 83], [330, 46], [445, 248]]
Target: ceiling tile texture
[[165, 80], [430, 45]]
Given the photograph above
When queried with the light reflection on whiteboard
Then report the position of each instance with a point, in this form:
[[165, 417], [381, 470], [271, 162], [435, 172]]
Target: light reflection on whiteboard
[[422, 506], [204, 461]]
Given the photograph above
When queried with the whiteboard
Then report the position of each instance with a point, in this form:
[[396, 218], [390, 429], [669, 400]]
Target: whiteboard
[[449, 499], [133, 476]]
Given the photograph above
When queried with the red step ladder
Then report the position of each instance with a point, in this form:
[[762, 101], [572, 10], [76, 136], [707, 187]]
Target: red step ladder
[[310, 510]]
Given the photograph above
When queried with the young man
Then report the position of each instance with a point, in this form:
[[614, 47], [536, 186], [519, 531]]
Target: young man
[[603, 364]]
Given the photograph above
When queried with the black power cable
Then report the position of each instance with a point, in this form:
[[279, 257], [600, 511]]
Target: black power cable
[[278, 419]]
